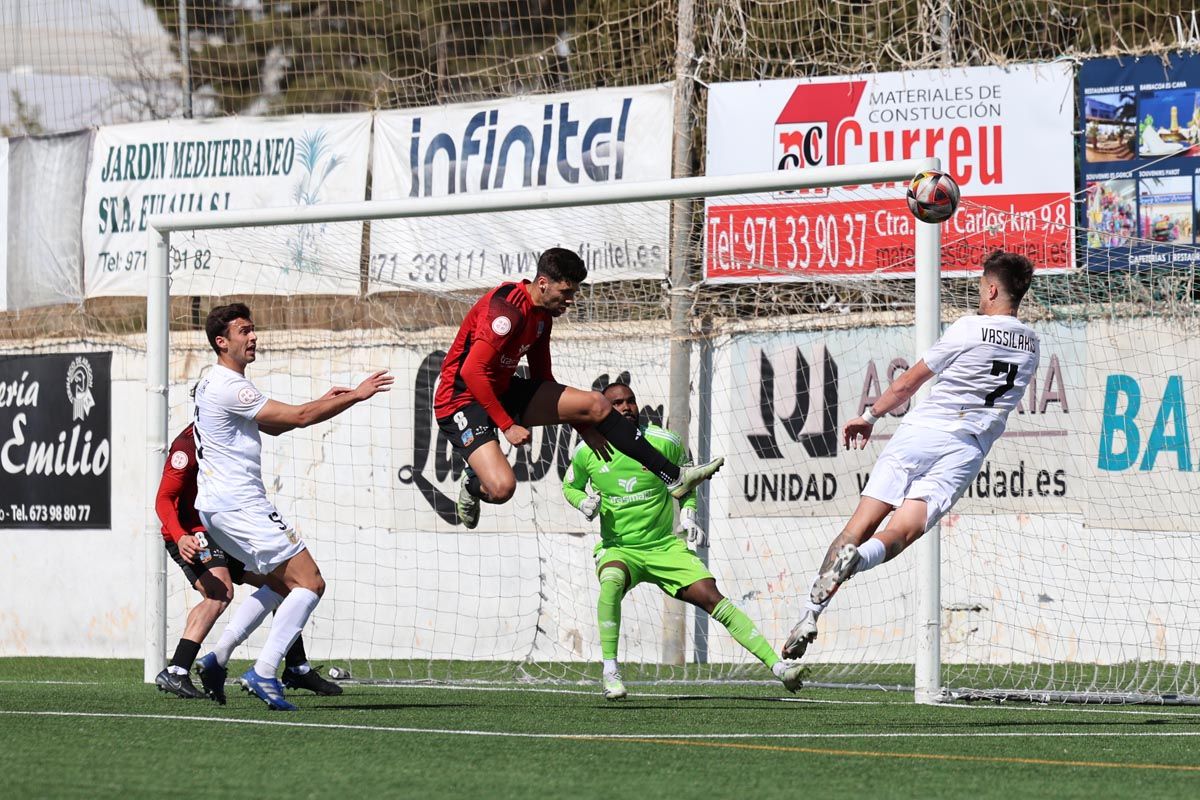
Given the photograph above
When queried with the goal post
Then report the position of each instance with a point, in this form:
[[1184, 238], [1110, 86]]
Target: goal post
[[163, 230]]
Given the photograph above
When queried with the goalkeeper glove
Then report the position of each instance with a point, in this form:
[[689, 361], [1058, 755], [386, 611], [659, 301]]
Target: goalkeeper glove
[[696, 536], [590, 506]]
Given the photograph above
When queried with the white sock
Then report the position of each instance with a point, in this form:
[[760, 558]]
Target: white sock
[[816, 608], [871, 555], [610, 666], [778, 668], [249, 615], [290, 619]]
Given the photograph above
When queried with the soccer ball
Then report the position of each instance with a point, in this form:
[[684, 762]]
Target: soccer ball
[[932, 196]]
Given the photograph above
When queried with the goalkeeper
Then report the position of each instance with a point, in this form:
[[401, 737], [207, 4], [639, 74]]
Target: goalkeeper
[[637, 544]]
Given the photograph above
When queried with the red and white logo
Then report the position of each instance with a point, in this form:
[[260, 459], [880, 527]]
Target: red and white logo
[[248, 395], [179, 459], [501, 326], [805, 132]]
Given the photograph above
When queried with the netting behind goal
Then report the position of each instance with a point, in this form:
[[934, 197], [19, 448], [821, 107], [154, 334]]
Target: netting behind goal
[[1051, 583]]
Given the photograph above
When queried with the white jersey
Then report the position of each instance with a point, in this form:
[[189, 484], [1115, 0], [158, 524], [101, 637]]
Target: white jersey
[[983, 364], [228, 444]]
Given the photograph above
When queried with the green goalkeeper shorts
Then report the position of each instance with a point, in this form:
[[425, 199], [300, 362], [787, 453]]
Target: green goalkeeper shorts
[[669, 566]]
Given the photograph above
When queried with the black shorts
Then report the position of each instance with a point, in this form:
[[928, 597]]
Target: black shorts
[[206, 559], [470, 427]]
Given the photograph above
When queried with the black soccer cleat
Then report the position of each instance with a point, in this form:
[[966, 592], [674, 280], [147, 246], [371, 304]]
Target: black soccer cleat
[[312, 681], [178, 685], [212, 677]]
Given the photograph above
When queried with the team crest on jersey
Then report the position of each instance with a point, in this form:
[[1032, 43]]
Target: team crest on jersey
[[179, 459], [501, 325], [247, 395], [468, 436]]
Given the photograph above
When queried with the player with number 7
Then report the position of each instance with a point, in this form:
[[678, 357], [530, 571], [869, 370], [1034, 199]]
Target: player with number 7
[[983, 363]]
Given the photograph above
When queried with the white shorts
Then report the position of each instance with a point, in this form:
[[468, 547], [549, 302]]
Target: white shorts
[[258, 536], [925, 464]]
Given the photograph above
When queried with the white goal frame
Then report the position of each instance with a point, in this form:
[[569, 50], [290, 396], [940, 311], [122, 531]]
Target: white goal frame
[[927, 685]]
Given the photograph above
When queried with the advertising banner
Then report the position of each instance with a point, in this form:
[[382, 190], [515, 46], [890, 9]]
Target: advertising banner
[[1003, 134], [1143, 404], [55, 450], [781, 399], [1140, 161], [181, 166], [3, 224], [550, 141]]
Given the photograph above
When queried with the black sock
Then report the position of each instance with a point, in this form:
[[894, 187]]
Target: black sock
[[295, 655], [474, 487], [185, 654], [627, 437]]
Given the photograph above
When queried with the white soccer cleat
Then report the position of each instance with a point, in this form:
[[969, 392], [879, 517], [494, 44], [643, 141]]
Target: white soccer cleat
[[843, 567], [614, 689], [802, 635], [691, 476], [793, 676]]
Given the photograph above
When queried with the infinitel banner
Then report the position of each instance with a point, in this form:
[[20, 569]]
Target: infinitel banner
[[55, 448], [1004, 134], [587, 138]]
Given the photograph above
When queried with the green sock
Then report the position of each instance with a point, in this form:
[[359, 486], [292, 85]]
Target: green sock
[[742, 629], [608, 609]]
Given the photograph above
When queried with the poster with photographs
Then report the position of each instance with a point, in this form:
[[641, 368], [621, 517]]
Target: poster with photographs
[[1140, 161]]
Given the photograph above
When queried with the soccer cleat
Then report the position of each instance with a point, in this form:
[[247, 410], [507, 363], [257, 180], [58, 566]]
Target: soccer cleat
[[843, 567], [266, 689], [178, 685], [310, 680], [801, 637], [468, 504], [793, 676], [691, 476], [614, 689], [212, 677]]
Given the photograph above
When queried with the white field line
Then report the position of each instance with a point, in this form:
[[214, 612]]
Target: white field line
[[608, 736], [981, 706]]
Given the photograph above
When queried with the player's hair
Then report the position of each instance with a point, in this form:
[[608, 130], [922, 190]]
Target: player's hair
[[561, 264], [618, 382], [218, 321], [1013, 271]]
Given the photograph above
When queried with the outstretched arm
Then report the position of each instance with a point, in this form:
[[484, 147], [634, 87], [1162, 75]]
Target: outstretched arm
[[276, 417], [858, 430]]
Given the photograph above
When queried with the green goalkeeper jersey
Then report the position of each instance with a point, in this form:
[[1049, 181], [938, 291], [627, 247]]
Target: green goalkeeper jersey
[[635, 506]]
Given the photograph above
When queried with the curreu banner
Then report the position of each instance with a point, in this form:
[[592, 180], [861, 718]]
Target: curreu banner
[[781, 400], [1140, 161], [55, 440], [181, 166], [548, 141], [1004, 134]]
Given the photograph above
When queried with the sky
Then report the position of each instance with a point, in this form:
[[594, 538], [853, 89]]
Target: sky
[[63, 57]]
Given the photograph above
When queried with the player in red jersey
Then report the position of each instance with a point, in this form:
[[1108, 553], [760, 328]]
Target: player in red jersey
[[212, 572], [478, 393]]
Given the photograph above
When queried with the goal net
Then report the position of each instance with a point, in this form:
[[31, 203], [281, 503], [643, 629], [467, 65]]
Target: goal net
[[1052, 584]]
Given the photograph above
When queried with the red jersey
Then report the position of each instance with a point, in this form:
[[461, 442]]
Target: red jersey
[[176, 500], [502, 326]]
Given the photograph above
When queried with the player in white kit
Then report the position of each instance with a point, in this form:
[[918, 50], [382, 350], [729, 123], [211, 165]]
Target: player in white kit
[[983, 363], [231, 497]]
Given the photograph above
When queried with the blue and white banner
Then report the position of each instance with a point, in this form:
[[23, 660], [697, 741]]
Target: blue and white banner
[[548, 141], [182, 166], [1140, 161]]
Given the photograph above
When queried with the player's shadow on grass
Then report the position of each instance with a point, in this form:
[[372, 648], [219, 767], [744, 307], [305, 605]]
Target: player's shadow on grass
[[383, 706]]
